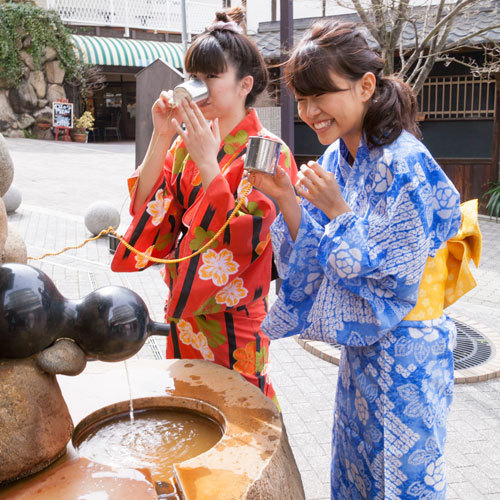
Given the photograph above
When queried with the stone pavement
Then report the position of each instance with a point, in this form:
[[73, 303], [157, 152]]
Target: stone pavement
[[60, 180]]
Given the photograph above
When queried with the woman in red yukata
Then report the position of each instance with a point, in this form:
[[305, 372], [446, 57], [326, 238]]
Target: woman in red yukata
[[182, 195]]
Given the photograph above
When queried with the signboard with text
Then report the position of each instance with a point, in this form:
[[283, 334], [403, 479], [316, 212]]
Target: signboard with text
[[62, 114]]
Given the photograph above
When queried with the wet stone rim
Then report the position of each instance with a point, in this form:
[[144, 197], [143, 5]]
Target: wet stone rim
[[476, 355]]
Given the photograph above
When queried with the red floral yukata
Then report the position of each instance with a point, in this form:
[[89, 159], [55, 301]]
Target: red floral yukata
[[218, 298]]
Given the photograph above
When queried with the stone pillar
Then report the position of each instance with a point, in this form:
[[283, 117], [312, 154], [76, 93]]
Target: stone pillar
[[12, 246]]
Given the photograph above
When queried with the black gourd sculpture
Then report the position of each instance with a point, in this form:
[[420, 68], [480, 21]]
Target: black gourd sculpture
[[43, 334], [109, 324]]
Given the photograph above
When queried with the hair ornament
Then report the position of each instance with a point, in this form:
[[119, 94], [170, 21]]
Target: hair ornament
[[226, 26]]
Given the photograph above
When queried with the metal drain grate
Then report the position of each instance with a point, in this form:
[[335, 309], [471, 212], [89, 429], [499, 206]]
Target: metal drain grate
[[152, 343], [472, 349]]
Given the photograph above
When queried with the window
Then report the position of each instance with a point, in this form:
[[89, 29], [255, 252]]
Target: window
[[463, 97]]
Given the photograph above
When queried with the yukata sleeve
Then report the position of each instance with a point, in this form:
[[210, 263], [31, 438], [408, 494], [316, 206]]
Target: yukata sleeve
[[222, 276], [298, 266], [155, 226], [363, 278], [377, 260], [300, 270]]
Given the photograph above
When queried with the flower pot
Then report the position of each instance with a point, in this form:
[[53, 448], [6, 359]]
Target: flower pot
[[79, 134], [79, 137]]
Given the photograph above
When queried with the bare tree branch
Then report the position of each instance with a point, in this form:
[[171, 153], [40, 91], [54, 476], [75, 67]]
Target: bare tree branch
[[366, 21], [430, 25], [422, 45]]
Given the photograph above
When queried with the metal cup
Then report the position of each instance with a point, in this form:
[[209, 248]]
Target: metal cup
[[193, 90], [262, 154]]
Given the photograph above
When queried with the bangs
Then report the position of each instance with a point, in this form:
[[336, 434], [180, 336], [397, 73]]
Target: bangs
[[205, 56], [307, 72]]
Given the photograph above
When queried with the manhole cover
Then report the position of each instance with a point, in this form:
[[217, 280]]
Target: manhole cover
[[472, 348]]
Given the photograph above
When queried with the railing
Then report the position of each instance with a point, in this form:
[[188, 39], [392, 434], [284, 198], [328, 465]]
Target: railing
[[461, 97], [160, 15]]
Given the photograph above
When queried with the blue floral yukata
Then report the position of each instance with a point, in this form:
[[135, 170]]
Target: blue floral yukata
[[352, 281]]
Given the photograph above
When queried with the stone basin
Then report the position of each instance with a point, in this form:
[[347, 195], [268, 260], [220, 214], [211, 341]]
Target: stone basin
[[252, 460]]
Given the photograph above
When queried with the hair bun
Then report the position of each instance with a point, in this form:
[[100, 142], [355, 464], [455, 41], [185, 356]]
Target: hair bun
[[222, 26], [236, 15]]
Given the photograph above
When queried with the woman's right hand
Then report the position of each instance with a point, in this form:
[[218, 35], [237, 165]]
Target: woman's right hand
[[277, 186], [154, 160], [163, 111]]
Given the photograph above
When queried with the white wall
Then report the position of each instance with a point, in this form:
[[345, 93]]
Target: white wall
[[260, 10]]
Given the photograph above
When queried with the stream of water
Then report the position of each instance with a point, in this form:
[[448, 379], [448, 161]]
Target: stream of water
[[131, 411]]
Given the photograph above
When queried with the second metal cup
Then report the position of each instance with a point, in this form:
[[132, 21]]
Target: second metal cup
[[262, 154]]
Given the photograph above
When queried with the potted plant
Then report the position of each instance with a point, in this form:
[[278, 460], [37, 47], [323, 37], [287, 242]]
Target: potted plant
[[81, 127], [493, 205]]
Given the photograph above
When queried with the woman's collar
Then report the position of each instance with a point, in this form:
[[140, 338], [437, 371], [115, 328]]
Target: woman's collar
[[250, 124], [361, 153]]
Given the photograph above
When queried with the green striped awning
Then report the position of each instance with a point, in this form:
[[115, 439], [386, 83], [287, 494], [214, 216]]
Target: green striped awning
[[107, 51]]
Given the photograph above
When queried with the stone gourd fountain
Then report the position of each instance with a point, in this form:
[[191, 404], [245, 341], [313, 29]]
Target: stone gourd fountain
[[43, 334]]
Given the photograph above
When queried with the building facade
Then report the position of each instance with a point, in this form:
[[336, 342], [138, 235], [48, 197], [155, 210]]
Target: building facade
[[120, 38]]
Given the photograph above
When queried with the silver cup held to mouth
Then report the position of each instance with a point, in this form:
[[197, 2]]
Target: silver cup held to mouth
[[193, 90], [262, 155]]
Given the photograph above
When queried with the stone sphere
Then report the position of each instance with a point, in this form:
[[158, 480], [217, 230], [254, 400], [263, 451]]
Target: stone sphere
[[3, 225], [100, 215], [12, 199], [14, 249]]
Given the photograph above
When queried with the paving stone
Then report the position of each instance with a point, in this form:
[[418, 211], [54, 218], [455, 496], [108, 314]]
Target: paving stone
[[482, 482], [451, 494], [467, 491], [316, 490]]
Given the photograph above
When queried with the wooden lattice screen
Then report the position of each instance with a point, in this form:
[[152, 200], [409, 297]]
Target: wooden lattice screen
[[461, 97]]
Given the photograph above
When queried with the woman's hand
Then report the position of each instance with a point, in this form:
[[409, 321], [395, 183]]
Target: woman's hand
[[202, 140], [277, 186], [163, 111], [320, 188]]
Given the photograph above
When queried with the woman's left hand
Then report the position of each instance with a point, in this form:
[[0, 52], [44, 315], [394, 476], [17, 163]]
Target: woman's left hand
[[319, 187], [202, 140]]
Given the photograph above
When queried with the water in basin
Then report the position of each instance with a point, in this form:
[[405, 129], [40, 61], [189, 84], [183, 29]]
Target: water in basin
[[155, 440]]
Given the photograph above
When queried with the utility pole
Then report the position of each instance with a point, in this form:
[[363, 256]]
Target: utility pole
[[274, 11], [286, 97], [324, 8], [184, 30]]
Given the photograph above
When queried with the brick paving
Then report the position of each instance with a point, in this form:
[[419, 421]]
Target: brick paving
[[59, 181]]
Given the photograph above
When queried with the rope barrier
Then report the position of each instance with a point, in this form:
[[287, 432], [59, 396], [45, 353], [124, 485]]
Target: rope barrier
[[110, 230]]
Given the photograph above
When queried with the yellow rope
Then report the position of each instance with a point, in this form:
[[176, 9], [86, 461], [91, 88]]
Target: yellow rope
[[110, 230]]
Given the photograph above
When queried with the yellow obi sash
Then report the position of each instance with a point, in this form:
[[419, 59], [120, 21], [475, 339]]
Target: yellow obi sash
[[447, 275]]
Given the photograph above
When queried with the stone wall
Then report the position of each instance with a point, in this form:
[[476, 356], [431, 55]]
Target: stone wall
[[26, 111]]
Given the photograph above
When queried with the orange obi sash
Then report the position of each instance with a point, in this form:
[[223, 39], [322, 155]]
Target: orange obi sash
[[447, 276]]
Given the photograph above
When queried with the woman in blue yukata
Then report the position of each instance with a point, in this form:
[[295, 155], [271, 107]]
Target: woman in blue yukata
[[376, 211]]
